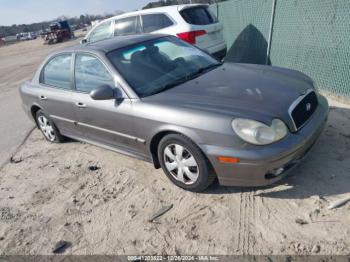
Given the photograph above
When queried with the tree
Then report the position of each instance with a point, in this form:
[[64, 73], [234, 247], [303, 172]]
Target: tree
[[82, 19]]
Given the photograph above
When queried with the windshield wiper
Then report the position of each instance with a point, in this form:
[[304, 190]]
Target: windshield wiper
[[202, 70], [186, 78]]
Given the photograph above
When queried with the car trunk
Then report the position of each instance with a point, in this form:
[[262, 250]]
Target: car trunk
[[199, 17]]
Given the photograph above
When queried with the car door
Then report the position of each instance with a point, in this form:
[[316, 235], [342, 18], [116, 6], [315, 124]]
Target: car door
[[55, 92], [107, 122]]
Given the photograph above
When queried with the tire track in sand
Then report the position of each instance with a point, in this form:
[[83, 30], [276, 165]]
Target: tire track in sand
[[246, 240]]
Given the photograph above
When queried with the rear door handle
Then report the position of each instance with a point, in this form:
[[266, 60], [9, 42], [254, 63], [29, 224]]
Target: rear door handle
[[43, 97], [80, 104]]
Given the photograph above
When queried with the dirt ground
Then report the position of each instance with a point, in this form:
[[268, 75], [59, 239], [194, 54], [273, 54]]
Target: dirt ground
[[18, 63], [100, 202]]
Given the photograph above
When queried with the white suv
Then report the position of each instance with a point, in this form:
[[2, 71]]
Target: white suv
[[195, 24]]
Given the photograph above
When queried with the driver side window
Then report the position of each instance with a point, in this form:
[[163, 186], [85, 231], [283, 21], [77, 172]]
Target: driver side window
[[90, 73]]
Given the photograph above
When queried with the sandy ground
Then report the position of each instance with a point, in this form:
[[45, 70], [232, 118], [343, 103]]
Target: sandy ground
[[100, 201], [18, 62]]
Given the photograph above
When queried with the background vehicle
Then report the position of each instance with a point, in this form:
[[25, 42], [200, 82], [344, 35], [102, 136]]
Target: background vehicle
[[59, 32], [26, 36], [195, 24]]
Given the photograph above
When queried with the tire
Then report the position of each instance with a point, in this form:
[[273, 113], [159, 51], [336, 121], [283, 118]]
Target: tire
[[184, 163], [48, 128]]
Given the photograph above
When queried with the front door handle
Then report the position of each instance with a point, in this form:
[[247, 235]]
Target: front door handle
[[80, 104], [42, 97]]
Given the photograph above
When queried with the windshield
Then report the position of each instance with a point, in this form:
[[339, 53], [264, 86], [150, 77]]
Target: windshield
[[153, 66]]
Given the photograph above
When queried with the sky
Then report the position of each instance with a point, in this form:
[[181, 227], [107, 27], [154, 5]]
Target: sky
[[31, 11]]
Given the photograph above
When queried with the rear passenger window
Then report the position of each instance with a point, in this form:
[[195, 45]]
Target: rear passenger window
[[198, 16], [57, 72], [126, 26], [102, 31], [90, 73], [155, 22]]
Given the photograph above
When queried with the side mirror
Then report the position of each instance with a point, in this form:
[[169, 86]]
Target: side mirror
[[83, 41], [104, 92]]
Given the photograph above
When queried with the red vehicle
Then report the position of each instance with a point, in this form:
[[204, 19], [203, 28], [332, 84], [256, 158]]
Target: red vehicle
[[59, 32]]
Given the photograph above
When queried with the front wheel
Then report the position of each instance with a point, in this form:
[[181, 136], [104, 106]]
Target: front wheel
[[48, 128], [184, 163]]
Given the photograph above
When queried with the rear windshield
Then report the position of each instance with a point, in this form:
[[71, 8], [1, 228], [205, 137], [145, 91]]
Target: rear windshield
[[200, 15]]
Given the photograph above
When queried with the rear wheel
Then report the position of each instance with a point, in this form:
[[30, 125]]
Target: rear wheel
[[48, 128], [184, 163]]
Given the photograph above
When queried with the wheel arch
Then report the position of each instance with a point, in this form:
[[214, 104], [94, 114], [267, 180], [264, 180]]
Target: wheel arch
[[33, 110], [158, 136]]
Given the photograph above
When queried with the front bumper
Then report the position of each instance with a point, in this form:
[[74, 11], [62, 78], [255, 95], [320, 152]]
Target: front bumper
[[257, 162]]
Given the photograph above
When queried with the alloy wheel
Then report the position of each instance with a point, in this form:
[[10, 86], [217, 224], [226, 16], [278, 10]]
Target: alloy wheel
[[46, 128]]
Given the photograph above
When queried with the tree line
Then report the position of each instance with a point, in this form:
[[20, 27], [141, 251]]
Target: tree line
[[34, 27]]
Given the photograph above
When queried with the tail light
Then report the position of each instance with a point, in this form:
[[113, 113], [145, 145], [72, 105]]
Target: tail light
[[190, 37]]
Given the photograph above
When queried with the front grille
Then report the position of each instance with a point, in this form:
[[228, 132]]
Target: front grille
[[304, 109]]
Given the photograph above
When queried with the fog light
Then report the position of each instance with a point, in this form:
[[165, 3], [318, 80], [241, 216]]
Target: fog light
[[277, 171], [274, 173]]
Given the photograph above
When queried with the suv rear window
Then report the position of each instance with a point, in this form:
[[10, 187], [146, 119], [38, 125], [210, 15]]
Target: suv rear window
[[153, 22], [198, 16], [127, 25]]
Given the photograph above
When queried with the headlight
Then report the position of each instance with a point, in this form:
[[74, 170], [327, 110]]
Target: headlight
[[258, 133]]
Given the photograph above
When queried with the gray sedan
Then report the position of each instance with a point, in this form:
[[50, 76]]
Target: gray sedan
[[159, 99]]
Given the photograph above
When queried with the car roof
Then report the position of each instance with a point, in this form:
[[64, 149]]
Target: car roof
[[113, 43], [162, 9]]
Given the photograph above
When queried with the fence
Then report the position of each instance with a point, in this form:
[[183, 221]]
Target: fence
[[311, 36]]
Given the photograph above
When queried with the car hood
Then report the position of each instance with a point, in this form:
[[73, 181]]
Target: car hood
[[240, 90]]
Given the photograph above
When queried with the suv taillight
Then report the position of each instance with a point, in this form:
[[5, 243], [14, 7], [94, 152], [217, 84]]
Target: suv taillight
[[190, 37]]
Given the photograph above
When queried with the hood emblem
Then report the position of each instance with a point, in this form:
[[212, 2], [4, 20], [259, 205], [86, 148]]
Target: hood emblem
[[303, 93], [308, 107]]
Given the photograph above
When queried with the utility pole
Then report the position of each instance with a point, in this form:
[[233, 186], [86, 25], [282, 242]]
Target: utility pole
[[270, 31]]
